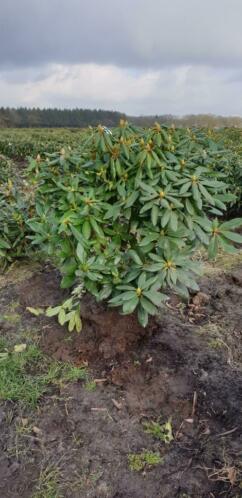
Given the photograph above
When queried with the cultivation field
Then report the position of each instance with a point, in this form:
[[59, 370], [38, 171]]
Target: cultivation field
[[120, 313], [22, 143]]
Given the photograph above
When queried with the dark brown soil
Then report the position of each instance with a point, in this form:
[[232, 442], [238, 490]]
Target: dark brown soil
[[186, 367]]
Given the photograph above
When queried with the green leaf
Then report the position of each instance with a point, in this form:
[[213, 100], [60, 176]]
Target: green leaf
[[129, 306], [148, 306], [36, 227], [173, 223], [216, 211], [151, 282], [214, 184], [185, 187], [53, 311], [125, 287], [131, 199], [155, 297], [116, 301], [67, 304], [142, 280], [78, 321], [235, 223], [201, 234], [77, 234], [96, 227], [165, 218], [80, 252], [182, 291], [206, 194], [86, 230], [189, 207], [72, 321], [148, 239], [143, 317], [126, 296], [146, 207], [62, 316], [197, 196], [135, 257], [105, 292], [226, 246], [67, 281], [35, 311], [235, 237], [4, 244], [213, 247], [147, 188], [154, 214], [205, 223]]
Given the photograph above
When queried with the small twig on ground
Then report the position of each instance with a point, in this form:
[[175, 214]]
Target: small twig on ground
[[227, 432], [194, 404], [179, 430], [117, 404]]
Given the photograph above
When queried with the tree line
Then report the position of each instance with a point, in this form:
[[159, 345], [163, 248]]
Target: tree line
[[190, 120], [57, 118], [23, 117]]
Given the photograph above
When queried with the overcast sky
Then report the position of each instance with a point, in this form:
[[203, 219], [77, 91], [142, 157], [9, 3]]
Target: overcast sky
[[136, 56]]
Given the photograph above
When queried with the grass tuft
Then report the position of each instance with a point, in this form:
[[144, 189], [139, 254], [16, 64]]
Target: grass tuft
[[162, 432], [138, 461], [25, 374], [48, 483]]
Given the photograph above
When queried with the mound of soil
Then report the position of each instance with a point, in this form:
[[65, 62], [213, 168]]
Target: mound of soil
[[106, 334], [172, 371]]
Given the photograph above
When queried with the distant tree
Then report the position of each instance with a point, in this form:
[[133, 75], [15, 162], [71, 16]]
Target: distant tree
[[81, 118], [57, 118]]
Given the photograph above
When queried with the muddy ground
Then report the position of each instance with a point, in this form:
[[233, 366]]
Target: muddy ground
[[186, 368]]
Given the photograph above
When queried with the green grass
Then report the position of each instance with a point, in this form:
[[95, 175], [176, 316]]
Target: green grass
[[138, 461], [90, 385], [223, 263], [162, 432], [16, 381], [18, 271], [48, 484], [25, 376], [13, 318]]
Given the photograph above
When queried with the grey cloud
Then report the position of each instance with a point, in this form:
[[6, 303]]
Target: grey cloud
[[178, 90], [128, 33]]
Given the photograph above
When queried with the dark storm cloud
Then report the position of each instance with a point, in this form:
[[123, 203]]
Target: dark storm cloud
[[34, 32], [131, 33]]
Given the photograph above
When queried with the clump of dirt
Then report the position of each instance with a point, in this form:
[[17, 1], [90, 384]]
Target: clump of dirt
[[105, 333], [168, 372], [41, 289]]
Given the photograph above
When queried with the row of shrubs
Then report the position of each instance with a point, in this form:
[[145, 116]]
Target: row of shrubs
[[122, 214]]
